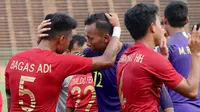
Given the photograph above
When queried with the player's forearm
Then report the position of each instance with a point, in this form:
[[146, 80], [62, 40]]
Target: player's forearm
[[194, 76], [112, 50], [189, 87], [108, 58]]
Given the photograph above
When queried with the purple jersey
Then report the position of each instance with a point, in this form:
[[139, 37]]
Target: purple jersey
[[105, 83], [165, 100], [180, 57]]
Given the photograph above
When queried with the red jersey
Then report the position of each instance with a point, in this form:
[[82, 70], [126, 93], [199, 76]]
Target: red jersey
[[1, 102], [140, 74], [34, 78], [81, 94]]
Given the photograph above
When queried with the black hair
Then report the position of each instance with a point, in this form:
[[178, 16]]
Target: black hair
[[198, 26], [49, 16], [60, 22], [81, 40], [101, 21], [139, 18], [176, 13]]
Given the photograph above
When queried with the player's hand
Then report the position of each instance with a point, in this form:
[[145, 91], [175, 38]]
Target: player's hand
[[41, 29], [113, 19], [163, 47], [194, 42]]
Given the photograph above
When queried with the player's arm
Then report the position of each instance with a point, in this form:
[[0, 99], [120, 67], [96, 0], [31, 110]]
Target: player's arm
[[172, 79], [97, 63], [189, 87], [109, 56], [165, 100]]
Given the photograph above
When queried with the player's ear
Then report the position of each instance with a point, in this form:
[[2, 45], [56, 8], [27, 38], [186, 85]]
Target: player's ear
[[152, 27], [61, 39], [165, 21], [67, 51], [107, 37], [187, 20]]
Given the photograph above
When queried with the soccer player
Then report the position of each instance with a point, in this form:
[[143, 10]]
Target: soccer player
[[98, 31], [81, 92], [77, 44], [141, 71], [34, 77], [176, 17], [98, 39]]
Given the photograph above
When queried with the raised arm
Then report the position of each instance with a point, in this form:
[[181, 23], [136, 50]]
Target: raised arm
[[189, 87], [108, 58]]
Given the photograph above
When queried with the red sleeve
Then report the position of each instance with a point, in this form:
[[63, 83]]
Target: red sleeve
[[70, 103], [73, 64], [7, 75], [164, 71], [7, 81]]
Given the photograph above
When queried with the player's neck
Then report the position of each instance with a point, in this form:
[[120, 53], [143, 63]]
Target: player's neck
[[46, 45], [147, 41], [173, 30], [120, 46]]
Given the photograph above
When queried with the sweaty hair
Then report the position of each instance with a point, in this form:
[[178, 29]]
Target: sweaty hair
[[81, 40], [60, 22], [138, 19], [101, 21], [176, 13]]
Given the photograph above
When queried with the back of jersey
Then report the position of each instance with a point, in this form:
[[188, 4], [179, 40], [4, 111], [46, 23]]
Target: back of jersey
[[33, 80], [81, 94]]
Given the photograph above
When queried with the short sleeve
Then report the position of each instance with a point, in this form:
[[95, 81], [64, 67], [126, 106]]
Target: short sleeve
[[71, 64], [165, 99], [163, 70], [7, 75], [70, 103]]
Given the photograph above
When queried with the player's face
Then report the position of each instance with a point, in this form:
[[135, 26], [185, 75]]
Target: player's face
[[76, 49], [96, 40], [63, 42], [165, 32], [158, 32]]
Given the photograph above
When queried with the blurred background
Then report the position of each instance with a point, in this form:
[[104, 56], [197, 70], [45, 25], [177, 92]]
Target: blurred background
[[19, 20]]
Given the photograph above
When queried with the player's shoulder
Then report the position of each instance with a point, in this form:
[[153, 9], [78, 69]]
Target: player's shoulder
[[24, 53], [126, 45]]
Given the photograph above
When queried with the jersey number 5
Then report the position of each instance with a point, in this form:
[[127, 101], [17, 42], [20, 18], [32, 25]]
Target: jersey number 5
[[23, 91]]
